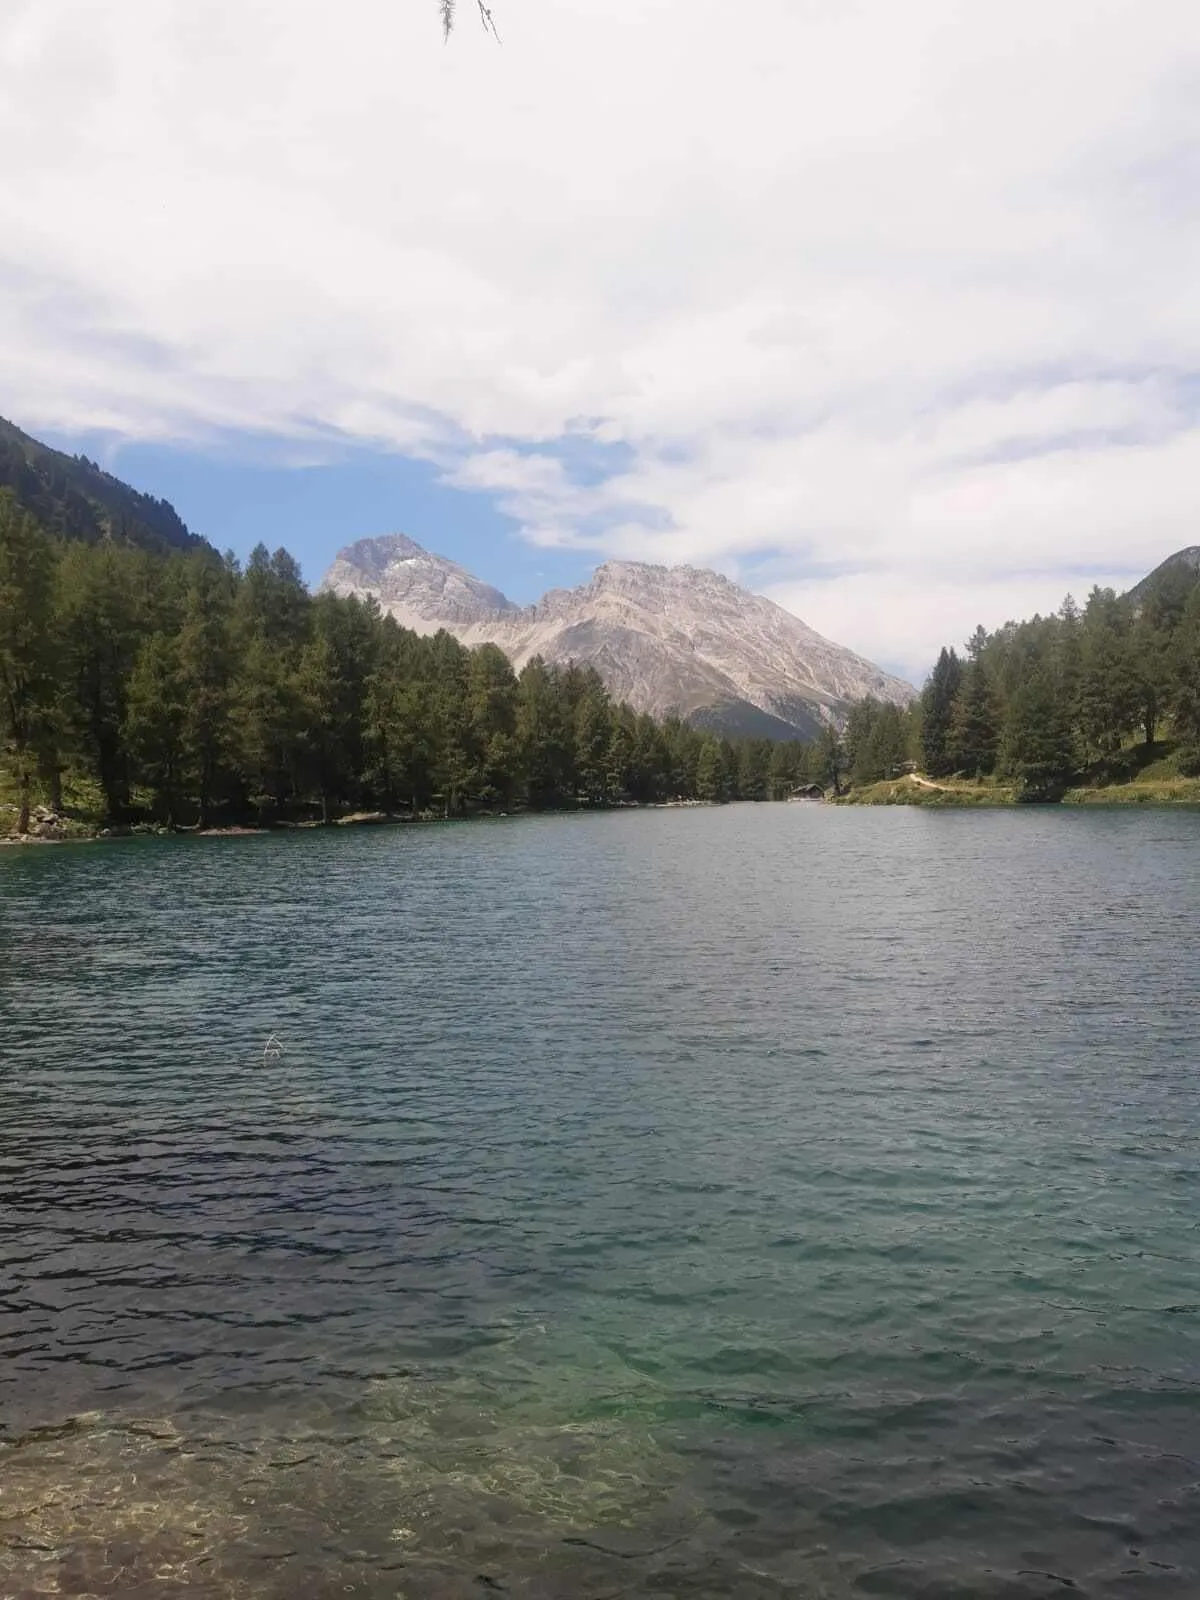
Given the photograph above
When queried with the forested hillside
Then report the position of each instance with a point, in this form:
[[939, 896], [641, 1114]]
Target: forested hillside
[[181, 689], [1082, 696], [74, 498]]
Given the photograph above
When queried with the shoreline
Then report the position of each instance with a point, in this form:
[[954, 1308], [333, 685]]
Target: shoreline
[[967, 796], [908, 791], [88, 834]]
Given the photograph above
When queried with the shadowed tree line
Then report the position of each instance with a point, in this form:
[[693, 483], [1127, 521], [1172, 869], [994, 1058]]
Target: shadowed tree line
[[187, 690], [1083, 695]]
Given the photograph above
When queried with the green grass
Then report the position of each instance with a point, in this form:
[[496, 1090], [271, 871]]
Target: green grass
[[83, 805], [1141, 774], [952, 793], [1142, 792]]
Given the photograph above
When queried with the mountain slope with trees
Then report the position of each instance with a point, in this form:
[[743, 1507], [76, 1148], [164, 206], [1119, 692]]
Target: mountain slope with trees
[[76, 499], [1083, 699]]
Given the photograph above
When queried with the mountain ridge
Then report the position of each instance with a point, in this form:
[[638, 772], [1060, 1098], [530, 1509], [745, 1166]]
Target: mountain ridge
[[666, 639], [1179, 564], [76, 499]]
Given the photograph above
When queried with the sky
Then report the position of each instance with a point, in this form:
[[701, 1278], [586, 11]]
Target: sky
[[887, 311]]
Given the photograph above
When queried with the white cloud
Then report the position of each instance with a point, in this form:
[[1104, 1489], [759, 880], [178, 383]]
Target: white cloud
[[899, 297]]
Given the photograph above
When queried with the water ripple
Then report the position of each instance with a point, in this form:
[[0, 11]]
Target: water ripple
[[756, 1202]]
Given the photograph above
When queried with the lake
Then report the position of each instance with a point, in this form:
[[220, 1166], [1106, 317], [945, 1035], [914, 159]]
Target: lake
[[759, 1201]]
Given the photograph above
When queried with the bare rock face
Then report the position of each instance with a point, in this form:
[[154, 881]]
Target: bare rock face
[[422, 591], [665, 639]]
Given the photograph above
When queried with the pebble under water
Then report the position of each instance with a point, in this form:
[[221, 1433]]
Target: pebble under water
[[758, 1201]]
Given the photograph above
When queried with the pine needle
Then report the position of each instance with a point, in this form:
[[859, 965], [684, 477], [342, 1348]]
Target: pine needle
[[446, 7]]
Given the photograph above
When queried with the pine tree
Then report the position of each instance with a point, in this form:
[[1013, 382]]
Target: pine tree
[[27, 689], [319, 729], [710, 771], [648, 774], [783, 773], [1067, 655], [1150, 650], [492, 711], [975, 730], [456, 753], [156, 723], [829, 758], [937, 714], [101, 591], [543, 737], [593, 741], [860, 728], [266, 725], [1108, 688], [206, 665], [753, 762], [1038, 750], [1185, 682]]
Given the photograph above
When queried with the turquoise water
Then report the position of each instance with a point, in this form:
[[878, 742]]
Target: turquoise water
[[762, 1201]]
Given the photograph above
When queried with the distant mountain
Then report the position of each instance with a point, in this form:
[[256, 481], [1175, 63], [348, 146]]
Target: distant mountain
[[1184, 565], [422, 591], [664, 639], [73, 497]]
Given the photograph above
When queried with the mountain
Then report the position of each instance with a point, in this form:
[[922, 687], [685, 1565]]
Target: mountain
[[665, 639], [422, 591], [73, 497], [1183, 566]]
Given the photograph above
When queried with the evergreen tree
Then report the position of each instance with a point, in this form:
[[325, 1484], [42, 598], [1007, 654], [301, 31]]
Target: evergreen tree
[[860, 729], [156, 723], [492, 713], [937, 715], [1185, 681], [27, 689], [1038, 747], [829, 760], [266, 724], [753, 764], [710, 771], [206, 666], [648, 775], [784, 770], [1150, 648], [1108, 688], [593, 741], [975, 729], [99, 591], [1067, 656], [543, 737], [319, 731], [398, 724]]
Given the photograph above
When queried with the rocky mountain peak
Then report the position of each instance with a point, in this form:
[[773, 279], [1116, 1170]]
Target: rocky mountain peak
[[423, 591], [679, 640]]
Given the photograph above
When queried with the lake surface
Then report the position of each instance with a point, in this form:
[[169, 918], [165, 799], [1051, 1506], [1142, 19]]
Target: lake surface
[[765, 1201]]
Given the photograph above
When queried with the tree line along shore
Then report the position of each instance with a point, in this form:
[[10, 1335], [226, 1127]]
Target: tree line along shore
[[145, 689], [1099, 703], [174, 688]]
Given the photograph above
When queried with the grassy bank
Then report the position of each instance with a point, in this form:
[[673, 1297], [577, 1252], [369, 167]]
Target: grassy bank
[[1141, 792], [919, 791], [1140, 775]]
